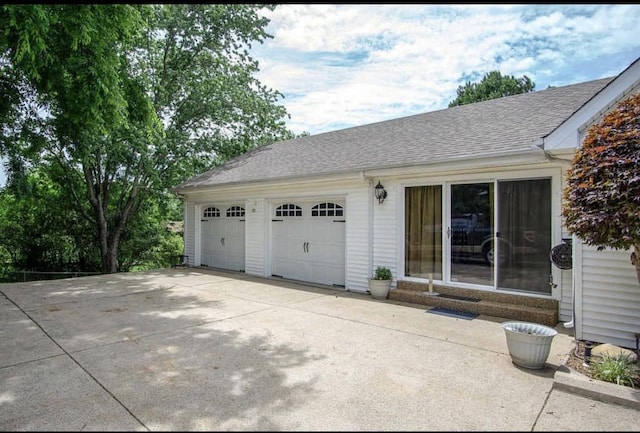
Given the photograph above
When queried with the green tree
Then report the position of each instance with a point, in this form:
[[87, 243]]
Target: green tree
[[493, 85], [40, 231], [149, 242], [120, 102], [602, 196]]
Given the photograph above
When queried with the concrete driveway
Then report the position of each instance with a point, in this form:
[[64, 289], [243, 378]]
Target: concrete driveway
[[194, 349]]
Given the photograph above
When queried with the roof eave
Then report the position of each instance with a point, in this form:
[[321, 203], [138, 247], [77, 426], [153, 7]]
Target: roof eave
[[465, 162]]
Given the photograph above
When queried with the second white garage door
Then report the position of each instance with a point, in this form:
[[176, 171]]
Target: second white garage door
[[308, 242]]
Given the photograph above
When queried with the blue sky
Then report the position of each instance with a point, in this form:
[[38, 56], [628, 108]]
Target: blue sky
[[347, 65]]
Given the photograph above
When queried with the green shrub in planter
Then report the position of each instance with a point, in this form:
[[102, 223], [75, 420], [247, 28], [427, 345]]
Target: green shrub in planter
[[382, 273]]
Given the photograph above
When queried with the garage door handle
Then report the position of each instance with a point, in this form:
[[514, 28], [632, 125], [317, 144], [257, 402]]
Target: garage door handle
[[222, 241]]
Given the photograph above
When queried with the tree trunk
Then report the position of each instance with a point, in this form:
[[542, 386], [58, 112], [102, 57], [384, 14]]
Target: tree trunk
[[108, 234], [110, 259], [109, 244]]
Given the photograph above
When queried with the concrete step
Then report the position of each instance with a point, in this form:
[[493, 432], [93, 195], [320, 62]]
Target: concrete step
[[523, 308]]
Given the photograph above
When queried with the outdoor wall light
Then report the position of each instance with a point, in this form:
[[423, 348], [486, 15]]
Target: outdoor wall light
[[380, 192]]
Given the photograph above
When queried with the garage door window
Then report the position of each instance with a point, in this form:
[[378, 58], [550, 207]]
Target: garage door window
[[288, 210], [327, 209], [211, 212], [235, 211]]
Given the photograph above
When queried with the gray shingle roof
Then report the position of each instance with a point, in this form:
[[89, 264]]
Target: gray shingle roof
[[500, 125]]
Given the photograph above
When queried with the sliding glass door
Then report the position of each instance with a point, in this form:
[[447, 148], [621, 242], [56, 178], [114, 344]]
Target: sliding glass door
[[497, 234]]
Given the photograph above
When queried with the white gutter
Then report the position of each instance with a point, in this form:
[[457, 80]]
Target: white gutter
[[440, 166], [540, 145], [230, 186]]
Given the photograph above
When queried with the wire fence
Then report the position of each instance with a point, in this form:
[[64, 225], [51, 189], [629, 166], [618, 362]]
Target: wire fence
[[15, 276]]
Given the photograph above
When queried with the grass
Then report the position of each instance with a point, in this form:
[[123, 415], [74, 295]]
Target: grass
[[616, 369]]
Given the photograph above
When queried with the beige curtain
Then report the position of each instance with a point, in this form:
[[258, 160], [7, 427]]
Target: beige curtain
[[525, 225], [423, 231]]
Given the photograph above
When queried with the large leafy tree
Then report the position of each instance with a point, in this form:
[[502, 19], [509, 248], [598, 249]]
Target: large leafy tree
[[602, 196], [119, 102], [493, 85]]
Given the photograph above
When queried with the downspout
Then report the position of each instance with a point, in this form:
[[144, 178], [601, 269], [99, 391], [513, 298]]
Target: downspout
[[570, 324]]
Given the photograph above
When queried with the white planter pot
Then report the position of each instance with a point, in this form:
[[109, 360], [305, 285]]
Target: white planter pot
[[529, 344], [379, 289]]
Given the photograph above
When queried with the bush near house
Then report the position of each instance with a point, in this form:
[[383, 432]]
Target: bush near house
[[602, 197]]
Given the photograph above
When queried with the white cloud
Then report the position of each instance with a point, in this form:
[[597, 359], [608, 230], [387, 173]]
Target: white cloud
[[349, 65]]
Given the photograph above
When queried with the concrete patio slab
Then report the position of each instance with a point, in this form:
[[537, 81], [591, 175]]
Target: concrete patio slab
[[193, 349]]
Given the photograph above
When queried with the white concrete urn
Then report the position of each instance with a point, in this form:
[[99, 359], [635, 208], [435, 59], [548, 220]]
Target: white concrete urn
[[529, 344], [379, 289]]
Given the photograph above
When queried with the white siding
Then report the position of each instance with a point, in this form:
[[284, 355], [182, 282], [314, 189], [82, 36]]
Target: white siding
[[358, 204], [385, 229], [255, 237], [189, 231], [610, 301]]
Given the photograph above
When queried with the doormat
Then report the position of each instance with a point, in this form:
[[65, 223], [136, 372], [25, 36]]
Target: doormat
[[459, 298], [452, 313]]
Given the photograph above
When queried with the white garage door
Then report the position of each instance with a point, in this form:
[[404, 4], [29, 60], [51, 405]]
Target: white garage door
[[223, 237], [308, 242]]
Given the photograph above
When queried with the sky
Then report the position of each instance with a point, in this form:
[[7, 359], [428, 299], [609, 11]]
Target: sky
[[341, 65], [344, 65]]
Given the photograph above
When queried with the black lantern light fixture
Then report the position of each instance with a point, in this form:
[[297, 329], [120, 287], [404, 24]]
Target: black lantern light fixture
[[380, 192]]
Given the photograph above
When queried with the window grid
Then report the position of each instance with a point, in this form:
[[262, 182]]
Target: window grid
[[289, 210], [211, 212], [235, 211], [327, 209]]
